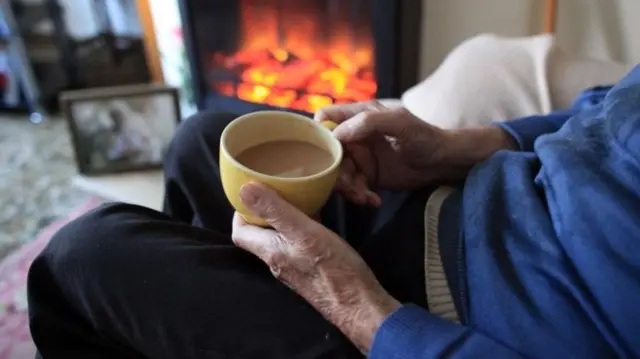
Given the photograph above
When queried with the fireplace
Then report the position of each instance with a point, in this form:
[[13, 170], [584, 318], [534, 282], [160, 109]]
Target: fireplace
[[299, 55]]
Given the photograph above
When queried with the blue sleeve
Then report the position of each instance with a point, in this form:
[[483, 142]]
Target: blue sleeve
[[412, 332], [526, 130]]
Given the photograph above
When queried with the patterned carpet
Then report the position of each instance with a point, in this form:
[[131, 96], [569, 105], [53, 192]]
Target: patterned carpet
[[36, 166], [15, 338]]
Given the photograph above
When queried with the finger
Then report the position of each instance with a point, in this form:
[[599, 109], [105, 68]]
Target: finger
[[259, 241], [373, 199], [280, 214], [366, 196], [341, 113], [347, 184], [347, 172], [365, 125], [360, 186], [364, 160]]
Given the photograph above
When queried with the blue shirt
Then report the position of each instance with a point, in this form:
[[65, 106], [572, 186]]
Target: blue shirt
[[552, 238]]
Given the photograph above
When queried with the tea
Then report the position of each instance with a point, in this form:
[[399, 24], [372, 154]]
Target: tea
[[286, 158]]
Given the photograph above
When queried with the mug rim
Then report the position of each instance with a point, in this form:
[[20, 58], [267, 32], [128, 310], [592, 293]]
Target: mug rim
[[245, 117]]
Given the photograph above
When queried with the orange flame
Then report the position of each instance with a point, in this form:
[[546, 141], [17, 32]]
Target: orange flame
[[282, 61]]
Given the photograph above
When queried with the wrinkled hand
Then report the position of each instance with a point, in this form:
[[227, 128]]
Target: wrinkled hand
[[392, 149], [384, 149], [316, 263]]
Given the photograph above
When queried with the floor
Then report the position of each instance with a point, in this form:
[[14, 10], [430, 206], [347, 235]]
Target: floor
[[36, 168]]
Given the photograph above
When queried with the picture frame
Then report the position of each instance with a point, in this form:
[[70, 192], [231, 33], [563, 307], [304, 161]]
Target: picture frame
[[122, 128]]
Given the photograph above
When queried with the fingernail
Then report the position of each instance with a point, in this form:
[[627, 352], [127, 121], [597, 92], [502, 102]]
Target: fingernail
[[374, 199], [342, 129], [249, 194]]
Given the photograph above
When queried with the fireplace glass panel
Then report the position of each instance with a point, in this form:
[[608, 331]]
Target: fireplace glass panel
[[297, 54]]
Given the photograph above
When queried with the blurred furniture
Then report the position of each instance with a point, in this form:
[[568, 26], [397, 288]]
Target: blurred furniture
[[51, 55], [50, 61], [110, 58], [28, 94]]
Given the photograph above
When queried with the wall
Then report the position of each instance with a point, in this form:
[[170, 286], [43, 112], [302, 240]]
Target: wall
[[446, 23], [167, 22], [175, 68], [606, 29]]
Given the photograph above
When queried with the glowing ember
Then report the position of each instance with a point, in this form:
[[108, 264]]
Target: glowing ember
[[289, 67]]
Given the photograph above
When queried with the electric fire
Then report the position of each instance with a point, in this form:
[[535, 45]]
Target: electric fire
[[287, 59]]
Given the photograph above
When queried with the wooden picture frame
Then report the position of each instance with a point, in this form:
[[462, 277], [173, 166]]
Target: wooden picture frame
[[119, 129]]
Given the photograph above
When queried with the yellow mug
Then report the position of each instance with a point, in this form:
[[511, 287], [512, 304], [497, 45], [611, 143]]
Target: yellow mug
[[307, 193]]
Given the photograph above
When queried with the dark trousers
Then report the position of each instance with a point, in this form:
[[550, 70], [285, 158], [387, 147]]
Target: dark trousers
[[125, 281]]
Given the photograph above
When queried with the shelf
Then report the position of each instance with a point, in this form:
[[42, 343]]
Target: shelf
[[27, 16]]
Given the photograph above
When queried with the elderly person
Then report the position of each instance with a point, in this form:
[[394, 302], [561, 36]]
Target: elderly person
[[533, 252]]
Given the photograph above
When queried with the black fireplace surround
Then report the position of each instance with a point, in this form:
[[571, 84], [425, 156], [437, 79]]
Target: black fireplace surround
[[212, 26]]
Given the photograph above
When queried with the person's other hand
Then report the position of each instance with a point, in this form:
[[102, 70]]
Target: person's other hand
[[392, 149], [316, 263], [384, 149]]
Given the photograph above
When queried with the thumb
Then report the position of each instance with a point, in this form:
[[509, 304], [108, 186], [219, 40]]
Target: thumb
[[362, 126], [268, 205], [343, 112], [259, 241]]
